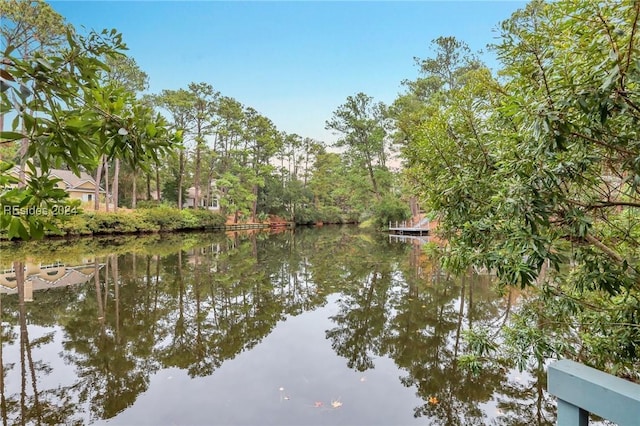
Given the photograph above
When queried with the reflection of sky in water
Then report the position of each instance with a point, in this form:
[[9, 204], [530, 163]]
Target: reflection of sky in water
[[295, 356], [60, 374], [357, 300]]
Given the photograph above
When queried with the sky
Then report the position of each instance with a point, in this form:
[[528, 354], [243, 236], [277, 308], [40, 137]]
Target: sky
[[293, 61]]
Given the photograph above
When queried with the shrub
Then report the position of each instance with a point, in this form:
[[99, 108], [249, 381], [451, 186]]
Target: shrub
[[148, 219], [209, 219], [390, 209], [188, 219], [147, 204], [330, 214], [116, 223], [306, 215], [165, 217], [73, 225]]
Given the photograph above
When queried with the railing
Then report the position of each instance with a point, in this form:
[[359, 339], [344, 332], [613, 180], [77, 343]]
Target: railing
[[581, 390], [410, 224]]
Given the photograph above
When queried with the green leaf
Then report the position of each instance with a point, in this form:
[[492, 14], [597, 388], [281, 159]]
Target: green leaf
[[29, 122], [151, 130], [10, 136]]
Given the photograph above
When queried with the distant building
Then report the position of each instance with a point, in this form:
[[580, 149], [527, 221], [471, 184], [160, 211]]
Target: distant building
[[78, 187], [210, 200]]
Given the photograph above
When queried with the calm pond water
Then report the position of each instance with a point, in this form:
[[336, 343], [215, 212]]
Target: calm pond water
[[317, 326]]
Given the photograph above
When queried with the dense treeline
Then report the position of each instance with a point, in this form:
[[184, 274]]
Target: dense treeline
[[533, 174], [191, 146]]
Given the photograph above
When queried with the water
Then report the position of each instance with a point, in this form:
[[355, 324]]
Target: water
[[317, 326]]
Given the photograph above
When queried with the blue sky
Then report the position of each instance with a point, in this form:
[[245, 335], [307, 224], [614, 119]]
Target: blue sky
[[297, 61]]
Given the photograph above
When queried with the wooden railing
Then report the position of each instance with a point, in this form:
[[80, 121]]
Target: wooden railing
[[581, 390]]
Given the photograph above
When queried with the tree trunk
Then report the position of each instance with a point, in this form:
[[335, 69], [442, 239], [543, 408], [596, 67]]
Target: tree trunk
[[106, 184], [196, 184], [254, 207], [180, 178], [413, 205], [372, 176], [158, 182], [116, 175], [148, 186], [96, 192], [134, 194], [209, 194]]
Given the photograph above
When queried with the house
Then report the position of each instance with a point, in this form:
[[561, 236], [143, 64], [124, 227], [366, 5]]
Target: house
[[210, 200], [40, 276], [78, 187]]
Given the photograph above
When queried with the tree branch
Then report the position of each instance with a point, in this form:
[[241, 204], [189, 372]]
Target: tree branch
[[631, 38], [601, 143], [604, 248]]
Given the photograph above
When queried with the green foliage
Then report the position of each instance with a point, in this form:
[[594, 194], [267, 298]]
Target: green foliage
[[64, 115], [307, 216], [29, 26], [111, 223], [534, 176], [471, 363], [161, 218], [188, 219], [164, 217], [170, 190], [76, 225], [209, 219], [362, 124], [331, 214], [390, 209], [148, 204]]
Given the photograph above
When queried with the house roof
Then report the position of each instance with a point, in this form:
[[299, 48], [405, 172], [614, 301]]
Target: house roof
[[202, 193], [68, 177], [71, 276]]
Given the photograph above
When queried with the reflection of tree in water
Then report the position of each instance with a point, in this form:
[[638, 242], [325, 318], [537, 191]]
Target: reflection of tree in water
[[364, 305], [418, 320], [106, 338], [428, 345], [523, 401], [196, 304], [192, 309], [30, 405]]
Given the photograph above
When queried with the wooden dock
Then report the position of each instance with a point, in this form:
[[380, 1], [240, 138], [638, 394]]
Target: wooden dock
[[418, 227]]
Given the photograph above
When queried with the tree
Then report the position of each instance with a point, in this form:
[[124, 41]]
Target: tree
[[29, 26], [263, 141], [66, 121], [361, 123], [123, 74], [179, 103], [203, 108], [534, 177]]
